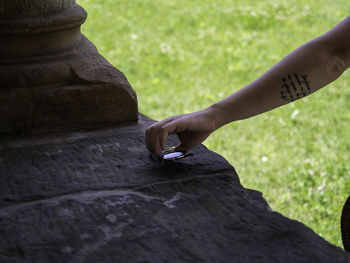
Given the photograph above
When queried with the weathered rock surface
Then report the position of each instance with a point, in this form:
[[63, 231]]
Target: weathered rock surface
[[99, 197], [51, 76]]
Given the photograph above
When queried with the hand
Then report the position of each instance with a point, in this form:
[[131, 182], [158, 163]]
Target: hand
[[192, 129]]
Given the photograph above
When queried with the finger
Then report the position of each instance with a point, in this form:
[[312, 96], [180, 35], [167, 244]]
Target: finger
[[163, 134], [169, 128], [154, 141], [150, 139], [175, 126], [186, 142], [165, 121], [182, 147], [152, 135], [147, 140]]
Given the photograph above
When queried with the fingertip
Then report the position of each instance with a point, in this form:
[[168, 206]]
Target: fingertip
[[162, 138]]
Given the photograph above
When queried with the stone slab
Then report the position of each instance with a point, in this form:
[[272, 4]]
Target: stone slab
[[97, 196]]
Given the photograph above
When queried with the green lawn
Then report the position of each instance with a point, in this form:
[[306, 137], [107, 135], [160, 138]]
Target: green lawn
[[181, 56]]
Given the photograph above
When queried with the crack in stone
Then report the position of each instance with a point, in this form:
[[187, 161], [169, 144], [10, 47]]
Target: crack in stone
[[185, 179], [89, 195], [86, 197], [169, 203]]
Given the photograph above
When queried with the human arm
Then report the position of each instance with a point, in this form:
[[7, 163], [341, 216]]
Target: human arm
[[305, 70]]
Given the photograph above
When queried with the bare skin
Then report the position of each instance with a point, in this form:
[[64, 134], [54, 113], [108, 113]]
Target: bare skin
[[304, 71]]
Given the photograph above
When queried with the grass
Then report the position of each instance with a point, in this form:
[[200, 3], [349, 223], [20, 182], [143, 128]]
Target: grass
[[182, 56]]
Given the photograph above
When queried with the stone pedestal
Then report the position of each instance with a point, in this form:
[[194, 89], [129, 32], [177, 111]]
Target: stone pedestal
[[51, 76]]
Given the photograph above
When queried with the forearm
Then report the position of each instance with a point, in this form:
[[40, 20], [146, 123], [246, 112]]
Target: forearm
[[307, 69]]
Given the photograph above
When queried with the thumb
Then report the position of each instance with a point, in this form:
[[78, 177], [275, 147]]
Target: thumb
[[182, 147]]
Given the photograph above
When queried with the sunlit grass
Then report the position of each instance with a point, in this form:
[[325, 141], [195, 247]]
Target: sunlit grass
[[181, 56]]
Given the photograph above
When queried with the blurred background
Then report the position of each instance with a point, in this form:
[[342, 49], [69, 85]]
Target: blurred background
[[182, 56]]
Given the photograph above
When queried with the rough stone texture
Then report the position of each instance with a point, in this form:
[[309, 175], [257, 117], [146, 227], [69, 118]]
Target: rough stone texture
[[97, 196], [51, 76]]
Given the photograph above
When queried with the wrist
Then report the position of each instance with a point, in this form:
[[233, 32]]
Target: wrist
[[217, 115]]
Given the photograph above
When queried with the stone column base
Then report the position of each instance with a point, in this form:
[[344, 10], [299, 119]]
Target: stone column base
[[51, 76]]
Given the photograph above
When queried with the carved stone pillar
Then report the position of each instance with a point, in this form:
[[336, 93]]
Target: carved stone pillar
[[51, 75]]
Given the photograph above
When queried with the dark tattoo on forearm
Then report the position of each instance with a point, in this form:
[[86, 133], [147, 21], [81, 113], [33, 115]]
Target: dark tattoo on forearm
[[295, 87]]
